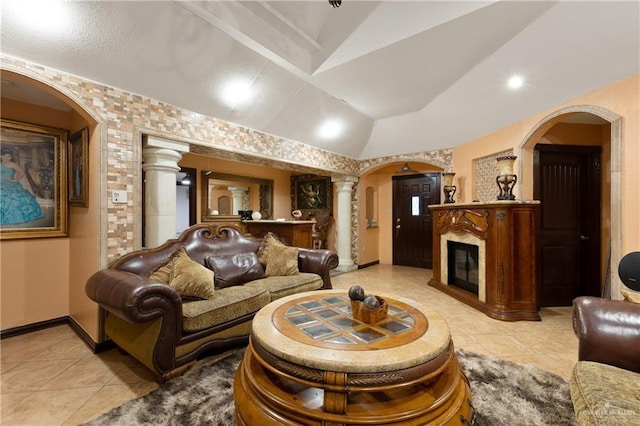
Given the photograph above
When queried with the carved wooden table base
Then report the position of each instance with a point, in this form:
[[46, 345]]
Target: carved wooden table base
[[308, 380]]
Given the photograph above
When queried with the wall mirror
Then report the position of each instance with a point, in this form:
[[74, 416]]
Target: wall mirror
[[227, 195]]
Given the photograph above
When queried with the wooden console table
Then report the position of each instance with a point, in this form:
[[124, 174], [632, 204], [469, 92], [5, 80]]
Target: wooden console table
[[508, 232], [296, 233]]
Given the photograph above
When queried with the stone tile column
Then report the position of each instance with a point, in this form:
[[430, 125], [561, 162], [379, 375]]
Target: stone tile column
[[160, 164], [344, 188]]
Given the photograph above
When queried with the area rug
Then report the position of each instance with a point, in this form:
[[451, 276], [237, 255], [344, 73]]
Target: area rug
[[503, 393]]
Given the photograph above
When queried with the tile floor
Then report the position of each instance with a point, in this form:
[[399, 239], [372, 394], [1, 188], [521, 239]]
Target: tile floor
[[50, 377]]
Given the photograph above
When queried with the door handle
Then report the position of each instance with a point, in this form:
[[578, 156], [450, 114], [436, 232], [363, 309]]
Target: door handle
[[584, 237]]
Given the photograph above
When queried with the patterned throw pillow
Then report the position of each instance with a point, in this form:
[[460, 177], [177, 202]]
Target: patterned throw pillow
[[189, 278], [268, 241], [282, 261]]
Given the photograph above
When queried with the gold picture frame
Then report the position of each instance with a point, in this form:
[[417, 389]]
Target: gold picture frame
[[33, 189], [79, 168], [311, 194]]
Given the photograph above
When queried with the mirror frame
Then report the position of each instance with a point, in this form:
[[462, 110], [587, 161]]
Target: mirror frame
[[266, 193]]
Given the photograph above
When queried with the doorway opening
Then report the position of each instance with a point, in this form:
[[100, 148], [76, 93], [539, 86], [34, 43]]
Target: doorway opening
[[567, 182], [412, 220]]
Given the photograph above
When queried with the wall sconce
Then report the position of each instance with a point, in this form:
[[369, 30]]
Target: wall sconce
[[449, 188], [186, 180], [506, 180]]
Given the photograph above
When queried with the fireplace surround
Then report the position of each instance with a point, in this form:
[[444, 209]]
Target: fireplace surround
[[505, 234]]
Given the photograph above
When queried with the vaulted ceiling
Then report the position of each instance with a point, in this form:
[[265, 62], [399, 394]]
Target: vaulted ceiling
[[396, 76]]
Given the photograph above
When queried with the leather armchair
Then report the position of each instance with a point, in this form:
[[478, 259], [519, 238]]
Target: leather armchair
[[608, 331], [604, 383]]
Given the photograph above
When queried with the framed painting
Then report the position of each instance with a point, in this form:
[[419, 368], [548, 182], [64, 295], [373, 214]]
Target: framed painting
[[78, 171], [33, 181], [311, 194]]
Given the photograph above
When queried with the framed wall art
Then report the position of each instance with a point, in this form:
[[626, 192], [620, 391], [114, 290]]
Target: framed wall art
[[79, 168], [33, 181], [311, 194]]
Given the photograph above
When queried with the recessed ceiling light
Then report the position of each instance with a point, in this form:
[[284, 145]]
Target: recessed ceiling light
[[42, 15], [516, 82], [330, 129], [236, 92]]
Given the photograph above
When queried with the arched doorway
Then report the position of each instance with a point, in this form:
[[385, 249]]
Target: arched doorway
[[567, 127]]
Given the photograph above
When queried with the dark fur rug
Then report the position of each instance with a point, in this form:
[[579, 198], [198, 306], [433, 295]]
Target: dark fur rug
[[503, 393]]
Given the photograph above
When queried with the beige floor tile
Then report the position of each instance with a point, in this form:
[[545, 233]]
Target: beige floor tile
[[46, 407], [32, 375], [107, 398], [83, 373]]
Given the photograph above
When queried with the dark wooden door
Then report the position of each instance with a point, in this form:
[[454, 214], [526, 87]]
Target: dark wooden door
[[567, 183], [412, 221]]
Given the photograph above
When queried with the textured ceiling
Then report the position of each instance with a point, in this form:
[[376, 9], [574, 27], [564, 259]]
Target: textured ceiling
[[401, 76]]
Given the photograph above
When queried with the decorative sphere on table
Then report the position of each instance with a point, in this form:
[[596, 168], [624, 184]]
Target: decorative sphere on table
[[356, 293], [371, 302]]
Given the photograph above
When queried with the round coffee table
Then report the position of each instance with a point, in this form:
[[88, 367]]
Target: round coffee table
[[310, 362]]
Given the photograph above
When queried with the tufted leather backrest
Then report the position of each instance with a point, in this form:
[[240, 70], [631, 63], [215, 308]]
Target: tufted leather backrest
[[199, 241]]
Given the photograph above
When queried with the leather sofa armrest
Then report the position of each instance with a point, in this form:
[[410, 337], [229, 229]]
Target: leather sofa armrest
[[134, 297], [318, 261], [608, 331]]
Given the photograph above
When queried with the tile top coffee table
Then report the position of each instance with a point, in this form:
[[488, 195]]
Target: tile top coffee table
[[310, 362]]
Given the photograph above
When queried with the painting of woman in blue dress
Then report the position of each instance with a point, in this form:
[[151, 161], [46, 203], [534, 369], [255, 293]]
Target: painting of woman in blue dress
[[17, 205]]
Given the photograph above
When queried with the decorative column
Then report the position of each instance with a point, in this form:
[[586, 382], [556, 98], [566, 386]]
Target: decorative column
[[239, 193], [344, 188], [160, 164]]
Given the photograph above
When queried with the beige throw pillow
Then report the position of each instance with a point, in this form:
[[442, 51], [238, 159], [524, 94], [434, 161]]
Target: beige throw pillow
[[268, 241], [189, 278], [282, 260]]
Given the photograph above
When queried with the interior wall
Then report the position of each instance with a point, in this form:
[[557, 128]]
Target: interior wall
[[368, 236], [281, 179], [620, 99], [43, 278], [385, 202]]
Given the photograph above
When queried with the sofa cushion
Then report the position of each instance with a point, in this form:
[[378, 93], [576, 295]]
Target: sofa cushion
[[189, 278], [228, 304], [604, 395], [282, 261], [284, 286], [234, 269]]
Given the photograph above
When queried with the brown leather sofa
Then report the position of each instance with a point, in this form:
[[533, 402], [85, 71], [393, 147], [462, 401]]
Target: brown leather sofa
[[605, 383], [165, 331]]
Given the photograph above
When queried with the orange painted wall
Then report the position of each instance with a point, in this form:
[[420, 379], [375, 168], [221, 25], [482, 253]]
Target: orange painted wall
[[385, 203], [622, 98], [43, 278], [368, 236]]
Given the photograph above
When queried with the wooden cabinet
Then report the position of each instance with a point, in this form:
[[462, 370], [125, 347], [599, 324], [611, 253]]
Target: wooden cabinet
[[506, 231], [296, 233]]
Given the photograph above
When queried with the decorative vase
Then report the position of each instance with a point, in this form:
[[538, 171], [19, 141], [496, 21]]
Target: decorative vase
[[448, 187], [256, 215], [506, 179], [360, 312]]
